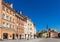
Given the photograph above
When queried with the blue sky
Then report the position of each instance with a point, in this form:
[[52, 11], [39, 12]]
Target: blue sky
[[42, 12]]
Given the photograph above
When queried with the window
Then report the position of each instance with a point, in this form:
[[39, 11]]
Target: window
[[30, 28], [3, 24], [30, 24], [20, 25], [7, 25], [13, 26], [16, 20], [30, 33], [10, 12], [3, 8], [6, 10], [10, 18], [10, 25], [3, 16], [13, 20], [13, 14], [6, 17]]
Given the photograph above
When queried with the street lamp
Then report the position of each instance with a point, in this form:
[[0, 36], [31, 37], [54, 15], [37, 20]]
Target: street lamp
[[48, 30]]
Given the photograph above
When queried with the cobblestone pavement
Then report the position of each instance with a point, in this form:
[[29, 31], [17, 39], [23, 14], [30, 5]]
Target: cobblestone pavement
[[34, 40]]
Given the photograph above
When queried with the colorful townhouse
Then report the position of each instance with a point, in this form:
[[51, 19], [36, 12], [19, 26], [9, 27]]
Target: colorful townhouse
[[7, 21], [14, 25]]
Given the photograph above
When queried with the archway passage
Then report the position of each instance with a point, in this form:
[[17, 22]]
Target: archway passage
[[17, 36], [59, 35], [20, 36], [13, 36], [5, 35]]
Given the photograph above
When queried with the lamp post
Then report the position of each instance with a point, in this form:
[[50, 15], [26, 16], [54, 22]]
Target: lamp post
[[48, 30]]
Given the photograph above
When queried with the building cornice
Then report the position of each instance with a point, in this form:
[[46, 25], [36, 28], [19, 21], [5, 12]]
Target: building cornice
[[8, 7]]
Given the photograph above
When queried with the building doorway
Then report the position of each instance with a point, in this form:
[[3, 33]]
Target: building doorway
[[17, 36], [5, 35], [25, 36], [20, 36], [13, 36], [59, 35]]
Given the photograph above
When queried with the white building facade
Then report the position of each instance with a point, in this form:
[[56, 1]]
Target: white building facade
[[25, 30], [31, 29]]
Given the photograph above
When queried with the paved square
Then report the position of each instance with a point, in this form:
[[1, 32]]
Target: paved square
[[34, 40]]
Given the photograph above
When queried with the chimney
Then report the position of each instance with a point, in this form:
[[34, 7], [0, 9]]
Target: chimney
[[20, 12], [11, 5]]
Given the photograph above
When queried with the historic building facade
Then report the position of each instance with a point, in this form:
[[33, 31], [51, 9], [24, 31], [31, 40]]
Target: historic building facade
[[14, 25], [7, 21], [30, 28], [53, 34], [20, 20]]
